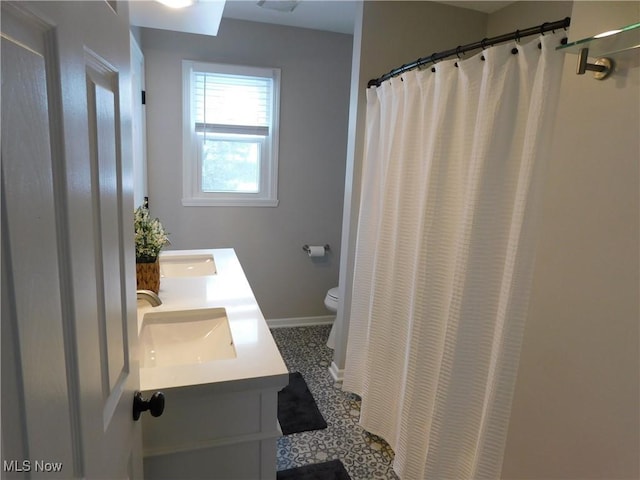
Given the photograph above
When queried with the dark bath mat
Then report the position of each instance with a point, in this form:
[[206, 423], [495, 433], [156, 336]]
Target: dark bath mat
[[297, 410], [332, 470]]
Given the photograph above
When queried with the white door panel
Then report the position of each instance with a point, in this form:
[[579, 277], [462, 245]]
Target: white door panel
[[31, 239], [68, 290]]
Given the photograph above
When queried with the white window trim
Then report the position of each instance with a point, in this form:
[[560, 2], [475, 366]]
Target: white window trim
[[192, 196]]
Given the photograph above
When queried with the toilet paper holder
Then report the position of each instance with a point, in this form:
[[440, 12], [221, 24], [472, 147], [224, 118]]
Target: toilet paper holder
[[306, 247]]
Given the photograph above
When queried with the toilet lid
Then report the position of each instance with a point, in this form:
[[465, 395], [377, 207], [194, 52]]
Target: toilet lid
[[333, 293]]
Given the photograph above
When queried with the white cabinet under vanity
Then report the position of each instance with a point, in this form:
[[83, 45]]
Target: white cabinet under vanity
[[209, 350]]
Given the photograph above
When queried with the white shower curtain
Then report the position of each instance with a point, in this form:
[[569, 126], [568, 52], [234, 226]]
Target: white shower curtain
[[453, 167]]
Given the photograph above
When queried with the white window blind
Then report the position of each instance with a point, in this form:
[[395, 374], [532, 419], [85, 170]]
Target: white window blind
[[226, 101]]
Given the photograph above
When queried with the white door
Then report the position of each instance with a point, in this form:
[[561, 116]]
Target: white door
[[69, 333]]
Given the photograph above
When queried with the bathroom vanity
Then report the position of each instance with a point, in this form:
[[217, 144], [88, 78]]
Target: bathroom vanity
[[209, 350]]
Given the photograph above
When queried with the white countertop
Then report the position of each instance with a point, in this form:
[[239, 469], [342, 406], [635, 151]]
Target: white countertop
[[258, 358]]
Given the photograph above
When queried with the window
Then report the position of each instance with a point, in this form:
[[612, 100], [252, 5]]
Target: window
[[230, 135]]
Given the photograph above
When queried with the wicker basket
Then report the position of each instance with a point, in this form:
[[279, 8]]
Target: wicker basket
[[148, 276]]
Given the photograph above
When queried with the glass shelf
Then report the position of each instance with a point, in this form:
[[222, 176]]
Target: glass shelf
[[607, 43]]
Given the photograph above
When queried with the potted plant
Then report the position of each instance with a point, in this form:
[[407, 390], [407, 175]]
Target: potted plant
[[150, 237]]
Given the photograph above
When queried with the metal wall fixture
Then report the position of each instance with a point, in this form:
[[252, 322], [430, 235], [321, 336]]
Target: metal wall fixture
[[307, 249], [603, 46], [602, 67]]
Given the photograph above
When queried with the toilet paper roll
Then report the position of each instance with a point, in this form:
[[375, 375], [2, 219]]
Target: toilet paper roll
[[316, 251]]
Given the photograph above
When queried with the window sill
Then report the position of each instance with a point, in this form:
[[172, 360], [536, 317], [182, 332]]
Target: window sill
[[240, 202]]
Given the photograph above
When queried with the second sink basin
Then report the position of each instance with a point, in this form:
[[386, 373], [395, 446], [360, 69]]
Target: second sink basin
[[185, 337], [187, 265]]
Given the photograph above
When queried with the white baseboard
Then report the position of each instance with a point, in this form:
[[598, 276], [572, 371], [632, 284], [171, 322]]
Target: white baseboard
[[336, 373], [300, 321]]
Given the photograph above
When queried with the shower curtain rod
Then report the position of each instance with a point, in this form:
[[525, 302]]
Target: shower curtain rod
[[484, 43]]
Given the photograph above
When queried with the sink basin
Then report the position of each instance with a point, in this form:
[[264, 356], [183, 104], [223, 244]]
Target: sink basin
[[185, 337], [187, 265]]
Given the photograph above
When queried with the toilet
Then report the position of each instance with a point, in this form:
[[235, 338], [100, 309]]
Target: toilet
[[331, 302]]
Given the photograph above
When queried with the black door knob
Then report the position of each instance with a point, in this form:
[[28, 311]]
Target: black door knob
[[155, 405]]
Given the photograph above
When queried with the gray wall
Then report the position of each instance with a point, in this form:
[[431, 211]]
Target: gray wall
[[314, 102], [576, 406], [524, 14]]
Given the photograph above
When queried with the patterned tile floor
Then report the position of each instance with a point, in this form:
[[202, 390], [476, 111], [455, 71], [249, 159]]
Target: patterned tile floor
[[365, 456]]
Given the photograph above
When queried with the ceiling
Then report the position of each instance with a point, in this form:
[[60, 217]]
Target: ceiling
[[204, 16], [331, 15], [481, 6]]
